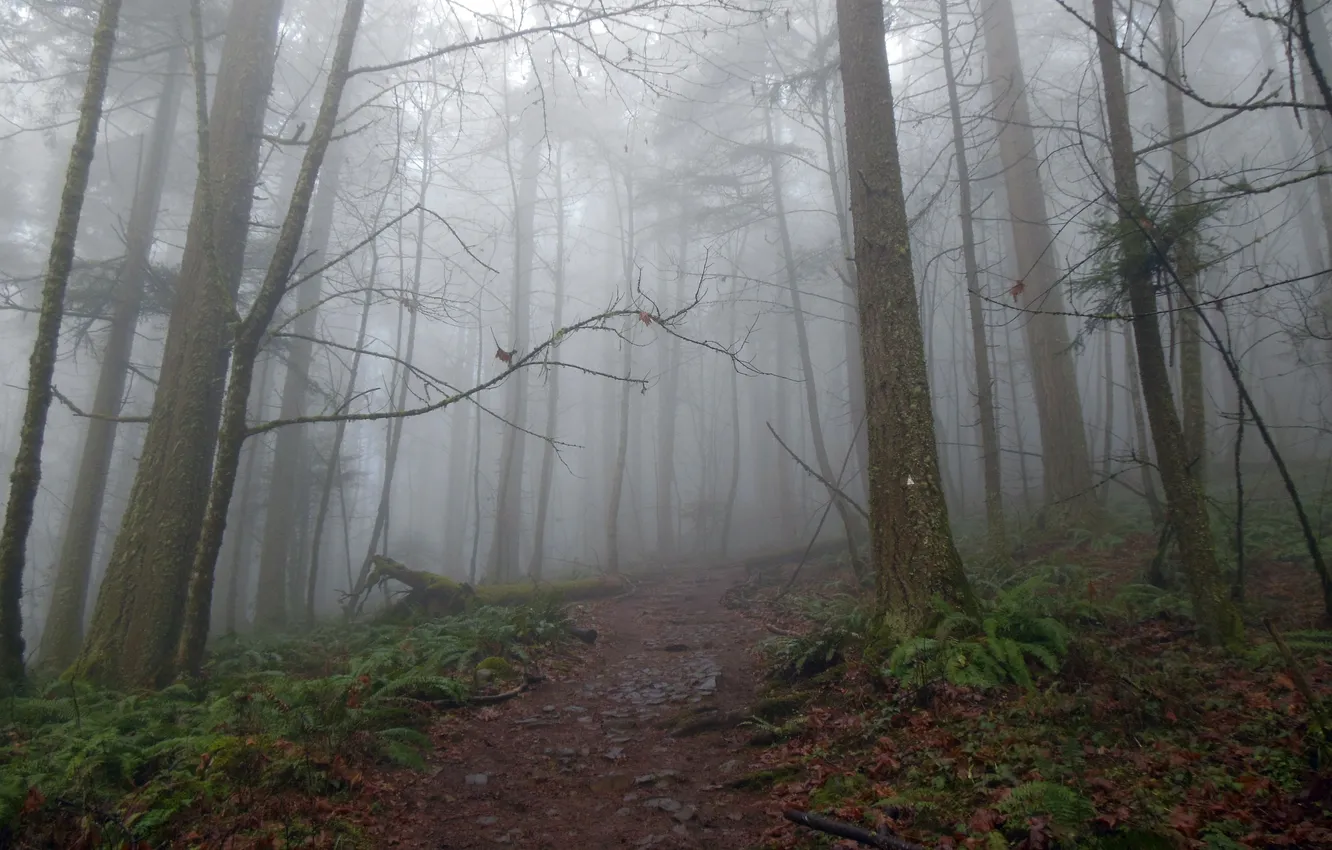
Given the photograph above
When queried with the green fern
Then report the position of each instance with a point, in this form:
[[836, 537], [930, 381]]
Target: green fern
[[1068, 810], [998, 648]]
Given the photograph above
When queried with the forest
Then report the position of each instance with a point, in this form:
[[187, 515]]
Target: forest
[[755, 424]]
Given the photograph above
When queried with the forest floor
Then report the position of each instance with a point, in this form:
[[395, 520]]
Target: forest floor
[[1078, 709], [589, 759]]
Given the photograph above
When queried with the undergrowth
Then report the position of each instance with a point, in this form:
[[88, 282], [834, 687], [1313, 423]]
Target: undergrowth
[[285, 714], [1072, 711]]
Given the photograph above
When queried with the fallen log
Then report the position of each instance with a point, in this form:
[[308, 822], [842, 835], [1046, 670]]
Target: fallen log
[[433, 595], [881, 839]]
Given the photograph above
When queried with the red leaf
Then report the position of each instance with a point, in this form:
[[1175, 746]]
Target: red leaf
[[505, 356], [34, 801], [646, 319], [1017, 289]]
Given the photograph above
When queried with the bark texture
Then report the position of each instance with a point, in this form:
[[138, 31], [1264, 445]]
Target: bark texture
[[914, 555], [140, 610], [248, 342], [62, 635], [25, 479]]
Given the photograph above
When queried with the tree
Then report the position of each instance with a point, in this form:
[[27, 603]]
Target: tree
[[1217, 617], [1066, 460], [27, 474], [140, 610], [914, 555], [63, 632], [994, 497]]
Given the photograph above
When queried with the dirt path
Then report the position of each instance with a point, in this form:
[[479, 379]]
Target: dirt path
[[585, 762]]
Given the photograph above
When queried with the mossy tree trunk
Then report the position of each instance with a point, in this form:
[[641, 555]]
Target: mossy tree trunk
[[25, 479], [62, 634], [249, 339], [994, 496], [914, 555], [140, 610], [1066, 459], [1217, 616]]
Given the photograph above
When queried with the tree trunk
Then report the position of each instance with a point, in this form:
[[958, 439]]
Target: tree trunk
[[25, 479], [994, 495], [238, 580], [140, 611], [331, 474], [249, 338], [1108, 433], [290, 449], [668, 402], [628, 254], [534, 568], [1066, 459], [844, 511], [380, 529], [1193, 399], [1217, 616], [505, 546], [914, 555], [733, 490], [63, 632], [1144, 445]]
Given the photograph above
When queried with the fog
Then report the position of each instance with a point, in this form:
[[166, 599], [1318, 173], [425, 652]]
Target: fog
[[640, 193]]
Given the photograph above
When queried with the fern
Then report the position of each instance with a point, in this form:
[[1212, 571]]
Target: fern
[[998, 648], [273, 713], [1068, 810]]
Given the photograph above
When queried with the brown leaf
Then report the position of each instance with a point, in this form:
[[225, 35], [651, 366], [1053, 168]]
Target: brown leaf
[[983, 821]]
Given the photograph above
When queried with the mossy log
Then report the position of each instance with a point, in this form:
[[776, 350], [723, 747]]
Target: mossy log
[[434, 595]]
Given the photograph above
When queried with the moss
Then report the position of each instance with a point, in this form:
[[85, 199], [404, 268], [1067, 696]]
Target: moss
[[569, 589]]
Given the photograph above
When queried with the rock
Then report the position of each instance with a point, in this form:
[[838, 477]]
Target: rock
[[614, 753], [656, 776], [575, 709], [685, 814], [489, 820], [547, 708], [680, 829], [484, 675], [623, 811], [728, 766], [675, 647], [477, 779], [665, 804]]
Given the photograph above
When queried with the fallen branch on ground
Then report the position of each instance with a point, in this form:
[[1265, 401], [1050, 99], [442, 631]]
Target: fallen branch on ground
[[881, 839], [492, 699]]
